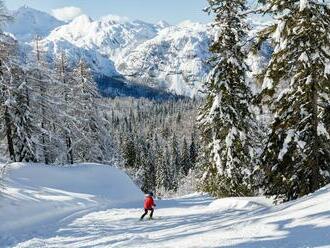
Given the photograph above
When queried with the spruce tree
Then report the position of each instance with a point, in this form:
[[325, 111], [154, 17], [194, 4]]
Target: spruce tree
[[129, 153], [225, 118], [185, 162], [148, 168], [193, 150], [23, 124], [176, 169], [296, 159]]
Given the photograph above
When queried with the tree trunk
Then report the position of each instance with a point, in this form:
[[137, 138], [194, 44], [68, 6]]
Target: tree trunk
[[70, 151], [9, 136], [314, 160]]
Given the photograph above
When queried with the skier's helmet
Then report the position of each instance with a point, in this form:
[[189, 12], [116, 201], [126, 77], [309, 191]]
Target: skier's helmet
[[150, 193]]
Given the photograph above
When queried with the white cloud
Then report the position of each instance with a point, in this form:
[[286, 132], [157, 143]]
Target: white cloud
[[67, 13]]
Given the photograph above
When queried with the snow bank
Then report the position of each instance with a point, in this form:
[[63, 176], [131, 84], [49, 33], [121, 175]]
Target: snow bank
[[38, 194]]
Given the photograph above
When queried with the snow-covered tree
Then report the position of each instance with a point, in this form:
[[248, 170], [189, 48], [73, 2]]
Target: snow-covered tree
[[65, 95], [176, 169], [296, 159], [94, 141], [164, 179], [43, 104], [130, 153], [6, 97], [193, 150], [6, 48], [23, 119], [15, 117], [225, 119]]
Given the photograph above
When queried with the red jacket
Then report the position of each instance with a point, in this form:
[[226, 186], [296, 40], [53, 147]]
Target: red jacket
[[149, 202]]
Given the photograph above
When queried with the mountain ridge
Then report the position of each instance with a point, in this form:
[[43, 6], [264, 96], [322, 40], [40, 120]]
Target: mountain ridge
[[171, 58]]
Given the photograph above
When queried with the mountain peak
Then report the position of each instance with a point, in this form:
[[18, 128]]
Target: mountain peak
[[82, 19], [163, 24], [29, 22], [26, 8]]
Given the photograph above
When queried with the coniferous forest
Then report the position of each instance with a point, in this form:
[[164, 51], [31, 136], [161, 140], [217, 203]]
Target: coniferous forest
[[291, 159], [233, 141], [210, 130]]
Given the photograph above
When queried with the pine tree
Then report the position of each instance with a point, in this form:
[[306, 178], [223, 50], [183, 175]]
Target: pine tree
[[93, 138], [130, 153], [6, 97], [23, 124], [193, 151], [6, 48], [176, 170], [161, 172], [167, 180], [149, 169], [185, 162], [16, 119], [225, 119], [296, 160]]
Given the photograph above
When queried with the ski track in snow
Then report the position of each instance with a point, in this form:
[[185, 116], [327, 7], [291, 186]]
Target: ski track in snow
[[193, 222]]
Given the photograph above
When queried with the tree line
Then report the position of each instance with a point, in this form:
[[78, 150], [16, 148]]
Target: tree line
[[157, 142]]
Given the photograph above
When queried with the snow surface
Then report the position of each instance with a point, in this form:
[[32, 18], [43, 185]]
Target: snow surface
[[87, 206], [36, 195]]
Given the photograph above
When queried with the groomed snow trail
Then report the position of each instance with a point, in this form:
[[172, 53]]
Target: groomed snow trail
[[198, 221]]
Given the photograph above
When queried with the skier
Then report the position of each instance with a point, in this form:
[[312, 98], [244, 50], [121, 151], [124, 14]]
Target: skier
[[149, 205]]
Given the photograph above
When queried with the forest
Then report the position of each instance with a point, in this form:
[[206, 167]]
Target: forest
[[233, 140]]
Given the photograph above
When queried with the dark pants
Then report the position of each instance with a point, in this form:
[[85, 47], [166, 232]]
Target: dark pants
[[146, 212]]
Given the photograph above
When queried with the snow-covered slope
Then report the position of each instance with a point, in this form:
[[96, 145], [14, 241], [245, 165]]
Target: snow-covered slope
[[99, 42], [35, 194], [111, 35], [100, 64], [157, 55], [66, 207], [175, 59], [29, 23]]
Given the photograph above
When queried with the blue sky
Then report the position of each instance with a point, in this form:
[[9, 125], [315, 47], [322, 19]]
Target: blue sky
[[172, 11]]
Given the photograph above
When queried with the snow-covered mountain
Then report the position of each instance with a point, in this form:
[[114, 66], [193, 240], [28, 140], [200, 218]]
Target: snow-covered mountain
[[99, 42], [174, 59], [110, 35], [161, 56], [155, 55], [29, 23]]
